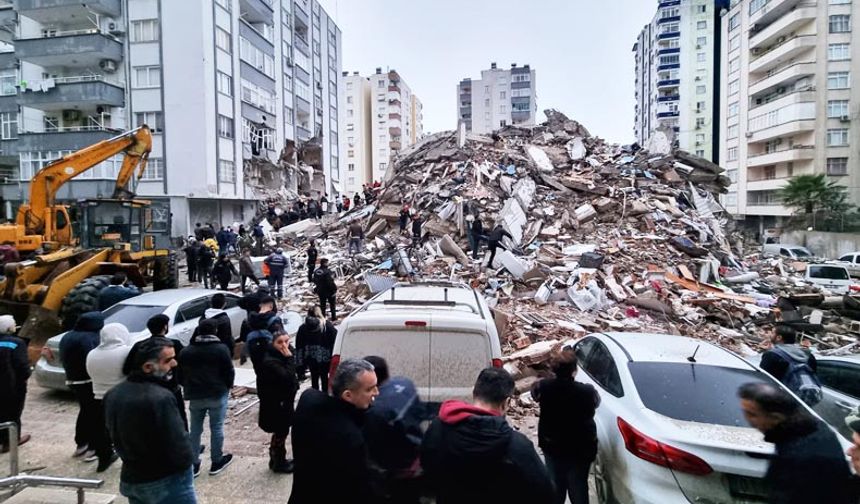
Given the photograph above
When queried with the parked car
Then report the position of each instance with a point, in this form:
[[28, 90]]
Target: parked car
[[851, 261], [670, 427], [840, 387], [833, 277], [438, 334], [183, 306], [785, 250]]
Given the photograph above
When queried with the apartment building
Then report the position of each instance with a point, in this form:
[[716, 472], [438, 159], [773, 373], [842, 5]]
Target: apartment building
[[678, 74], [382, 117], [789, 107], [499, 98], [219, 82]]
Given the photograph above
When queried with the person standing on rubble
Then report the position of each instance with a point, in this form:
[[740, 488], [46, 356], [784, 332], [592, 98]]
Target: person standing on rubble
[[313, 209], [258, 235], [793, 365], [312, 259], [404, 218], [346, 203], [356, 199], [338, 203], [355, 233], [494, 241], [324, 205], [192, 250], [277, 263], [417, 222], [326, 288]]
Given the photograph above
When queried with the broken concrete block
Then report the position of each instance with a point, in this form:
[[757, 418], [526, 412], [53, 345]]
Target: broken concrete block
[[540, 158], [449, 247], [637, 207], [576, 149], [513, 218], [376, 228], [543, 293], [585, 213], [534, 353], [687, 246], [524, 192], [510, 262]]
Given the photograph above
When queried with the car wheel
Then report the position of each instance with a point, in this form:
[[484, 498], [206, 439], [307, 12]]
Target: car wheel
[[601, 483]]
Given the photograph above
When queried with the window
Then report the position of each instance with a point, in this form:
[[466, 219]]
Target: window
[[222, 39], [837, 108], [700, 138], [226, 171], [255, 57], [225, 126], [8, 125], [8, 80], [33, 161], [350, 153], [154, 120], [734, 22], [840, 23], [700, 57], [597, 362], [732, 132], [701, 9], [502, 95], [349, 99], [733, 109], [700, 122], [734, 43], [302, 90], [503, 108], [701, 90], [144, 30], [154, 169], [837, 137], [701, 41], [839, 376], [838, 52], [380, 84], [734, 65], [225, 84], [756, 5], [671, 59], [147, 76], [350, 167], [837, 80], [702, 25], [700, 153], [223, 3], [734, 87], [837, 166], [700, 106], [383, 166], [349, 112], [257, 96]]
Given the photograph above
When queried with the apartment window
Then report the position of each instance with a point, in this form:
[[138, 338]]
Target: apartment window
[[670, 28], [255, 57], [732, 131], [837, 166], [258, 97], [349, 112], [383, 166], [670, 12], [734, 87], [837, 108], [734, 43], [732, 154], [223, 40], [838, 52], [701, 90], [8, 125], [349, 99], [147, 76], [350, 153], [155, 121], [734, 65], [837, 80], [671, 59], [223, 3], [226, 171], [700, 106], [302, 90], [225, 84], [769, 172], [350, 127], [380, 84], [521, 78], [225, 126], [700, 153], [350, 167], [487, 102], [502, 95], [144, 30], [733, 109], [701, 9], [700, 57], [383, 152], [839, 2], [8, 80], [840, 23], [154, 169], [734, 22], [503, 108], [700, 138], [701, 41], [700, 122], [837, 137], [756, 5], [702, 25]]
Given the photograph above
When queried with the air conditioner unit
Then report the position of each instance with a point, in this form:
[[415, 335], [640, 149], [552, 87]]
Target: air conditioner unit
[[115, 29], [107, 65], [71, 115], [749, 134], [289, 62], [845, 118]]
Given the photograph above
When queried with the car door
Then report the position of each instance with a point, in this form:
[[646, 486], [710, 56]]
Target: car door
[[236, 314], [840, 382], [187, 318]]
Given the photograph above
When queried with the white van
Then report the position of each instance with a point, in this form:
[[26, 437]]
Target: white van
[[785, 250], [832, 277], [438, 334]]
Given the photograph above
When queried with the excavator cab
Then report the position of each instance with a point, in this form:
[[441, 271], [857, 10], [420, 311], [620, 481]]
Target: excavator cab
[[114, 224]]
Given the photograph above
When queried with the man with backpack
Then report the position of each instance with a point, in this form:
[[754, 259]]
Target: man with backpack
[[265, 325], [325, 288], [793, 365]]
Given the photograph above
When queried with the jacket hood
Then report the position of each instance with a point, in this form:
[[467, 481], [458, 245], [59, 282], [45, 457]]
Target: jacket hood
[[477, 434], [213, 312], [259, 320], [796, 352], [205, 339], [115, 335], [90, 322], [313, 323]]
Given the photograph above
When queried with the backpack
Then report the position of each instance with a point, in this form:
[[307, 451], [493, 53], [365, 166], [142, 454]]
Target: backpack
[[800, 379]]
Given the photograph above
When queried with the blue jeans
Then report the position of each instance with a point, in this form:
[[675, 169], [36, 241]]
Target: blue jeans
[[175, 489], [217, 408]]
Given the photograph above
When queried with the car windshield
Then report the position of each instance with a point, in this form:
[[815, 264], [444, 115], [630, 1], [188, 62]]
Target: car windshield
[[799, 252], [694, 392], [828, 272], [133, 317]]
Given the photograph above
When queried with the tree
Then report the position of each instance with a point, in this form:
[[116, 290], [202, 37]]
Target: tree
[[810, 195]]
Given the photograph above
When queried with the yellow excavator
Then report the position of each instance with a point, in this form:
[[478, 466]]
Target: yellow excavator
[[63, 256]]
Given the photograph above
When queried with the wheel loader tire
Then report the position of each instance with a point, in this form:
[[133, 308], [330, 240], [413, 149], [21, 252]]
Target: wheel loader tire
[[166, 273], [83, 298]]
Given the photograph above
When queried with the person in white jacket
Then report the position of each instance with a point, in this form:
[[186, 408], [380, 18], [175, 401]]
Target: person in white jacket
[[104, 365]]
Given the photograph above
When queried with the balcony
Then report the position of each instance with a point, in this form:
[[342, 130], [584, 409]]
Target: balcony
[[668, 50], [770, 209], [80, 48], [394, 116], [256, 11], [8, 23], [8, 61], [782, 122], [668, 66], [300, 16], [766, 184], [302, 45], [661, 99], [772, 10], [59, 11], [782, 27], [394, 131], [668, 19], [668, 83], [669, 35], [781, 53], [795, 153], [67, 138], [777, 76], [668, 3], [394, 89], [394, 145], [661, 115], [72, 93], [303, 133]]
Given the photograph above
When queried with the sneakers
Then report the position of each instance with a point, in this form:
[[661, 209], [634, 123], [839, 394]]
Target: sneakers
[[90, 456], [197, 469], [80, 451], [283, 467], [105, 463], [221, 465]]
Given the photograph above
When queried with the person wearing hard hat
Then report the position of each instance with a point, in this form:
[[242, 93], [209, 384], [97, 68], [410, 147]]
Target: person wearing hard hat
[[14, 372]]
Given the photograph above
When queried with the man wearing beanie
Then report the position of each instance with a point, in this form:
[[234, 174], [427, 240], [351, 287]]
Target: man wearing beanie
[[13, 379]]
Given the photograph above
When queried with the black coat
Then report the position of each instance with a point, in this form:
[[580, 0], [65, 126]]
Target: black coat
[[207, 368], [313, 343], [147, 430], [224, 330], [205, 257], [312, 255], [470, 455], [566, 426], [497, 234], [14, 371], [77, 344], [276, 387], [324, 282], [809, 465], [191, 253], [224, 270], [329, 452]]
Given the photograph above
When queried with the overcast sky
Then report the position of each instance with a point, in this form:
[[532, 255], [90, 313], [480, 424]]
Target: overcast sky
[[580, 49]]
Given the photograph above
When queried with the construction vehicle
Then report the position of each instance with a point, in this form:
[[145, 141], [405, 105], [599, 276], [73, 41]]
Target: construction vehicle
[[66, 255]]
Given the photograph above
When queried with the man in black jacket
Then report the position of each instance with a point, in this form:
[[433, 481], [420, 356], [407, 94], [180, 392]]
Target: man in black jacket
[[145, 425], [117, 291], [470, 453], [205, 259], [325, 288], [14, 372], [328, 441], [192, 250], [494, 241], [566, 430], [74, 347], [312, 259], [224, 328], [207, 377], [809, 465]]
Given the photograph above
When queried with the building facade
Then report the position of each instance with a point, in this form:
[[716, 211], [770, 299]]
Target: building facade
[[499, 98], [382, 117], [791, 108], [678, 74], [219, 82]]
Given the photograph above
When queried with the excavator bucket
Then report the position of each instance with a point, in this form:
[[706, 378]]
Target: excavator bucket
[[35, 323]]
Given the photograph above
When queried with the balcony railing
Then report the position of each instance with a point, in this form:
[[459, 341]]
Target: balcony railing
[[792, 148], [780, 44], [781, 68], [773, 98]]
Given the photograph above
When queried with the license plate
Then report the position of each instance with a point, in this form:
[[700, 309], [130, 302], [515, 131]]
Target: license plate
[[750, 489]]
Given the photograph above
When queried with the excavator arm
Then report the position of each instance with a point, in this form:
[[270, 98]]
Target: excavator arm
[[136, 144]]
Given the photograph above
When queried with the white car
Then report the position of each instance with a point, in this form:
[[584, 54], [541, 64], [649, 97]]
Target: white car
[[670, 427], [852, 262], [833, 277], [183, 306], [785, 250]]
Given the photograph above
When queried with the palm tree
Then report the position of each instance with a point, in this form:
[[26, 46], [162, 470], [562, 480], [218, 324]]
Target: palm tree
[[810, 194]]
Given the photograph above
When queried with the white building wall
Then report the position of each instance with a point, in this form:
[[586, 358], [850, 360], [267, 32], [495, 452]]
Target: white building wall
[[492, 105]]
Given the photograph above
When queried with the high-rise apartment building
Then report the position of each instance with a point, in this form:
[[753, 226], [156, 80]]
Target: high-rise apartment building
[[500, 98], [678, 74], [219, 82], [789, 107], [382, 117]]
